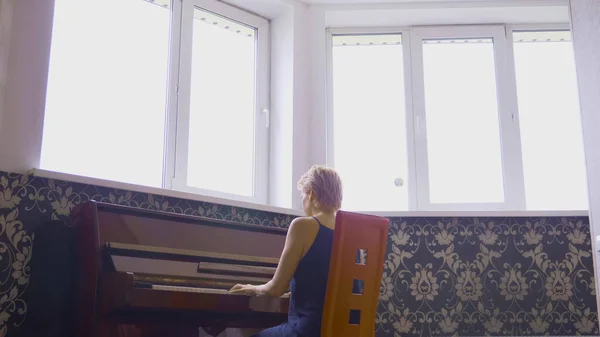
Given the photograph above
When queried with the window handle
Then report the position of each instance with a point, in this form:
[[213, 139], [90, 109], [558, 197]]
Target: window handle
[[267, 117]]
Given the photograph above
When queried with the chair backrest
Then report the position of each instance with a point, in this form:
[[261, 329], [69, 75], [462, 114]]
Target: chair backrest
[[353, 286]]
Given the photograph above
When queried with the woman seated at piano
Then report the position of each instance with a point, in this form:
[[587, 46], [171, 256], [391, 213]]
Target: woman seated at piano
[[304, 262]]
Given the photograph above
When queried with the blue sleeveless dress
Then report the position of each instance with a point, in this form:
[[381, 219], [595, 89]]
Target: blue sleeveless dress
[[308, 289]]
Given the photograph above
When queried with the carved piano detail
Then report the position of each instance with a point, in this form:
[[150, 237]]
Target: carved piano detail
[[140, 272]]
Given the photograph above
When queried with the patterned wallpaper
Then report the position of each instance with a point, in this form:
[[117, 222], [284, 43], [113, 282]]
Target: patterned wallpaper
[[495, 276], [443, 276]]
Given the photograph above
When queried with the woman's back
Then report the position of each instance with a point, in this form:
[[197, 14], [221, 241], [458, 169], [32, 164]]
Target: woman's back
[[304, 263], [309, 285]]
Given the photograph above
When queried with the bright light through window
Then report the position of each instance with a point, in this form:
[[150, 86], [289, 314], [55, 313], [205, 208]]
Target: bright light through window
[[463, 131], [552, 144], [221, 154], [370, 132], [105, 103]]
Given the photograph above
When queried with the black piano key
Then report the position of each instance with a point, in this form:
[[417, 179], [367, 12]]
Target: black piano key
[[142, 285]]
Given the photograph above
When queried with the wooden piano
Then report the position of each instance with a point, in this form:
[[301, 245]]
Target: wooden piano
[[151, 273]]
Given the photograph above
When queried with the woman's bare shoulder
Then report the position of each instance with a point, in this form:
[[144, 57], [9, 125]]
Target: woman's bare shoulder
[[303, 226]]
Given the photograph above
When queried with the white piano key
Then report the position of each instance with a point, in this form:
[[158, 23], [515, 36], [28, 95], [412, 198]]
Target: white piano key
[[192, 289], [200, 290]]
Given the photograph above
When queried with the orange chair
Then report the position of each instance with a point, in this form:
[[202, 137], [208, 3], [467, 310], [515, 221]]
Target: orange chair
[[353, 286]]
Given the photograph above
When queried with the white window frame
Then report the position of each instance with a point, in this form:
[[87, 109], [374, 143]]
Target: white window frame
[[410, 182], [172, 96], [508, 112], [510, 29], [176, 162], [514, 193]]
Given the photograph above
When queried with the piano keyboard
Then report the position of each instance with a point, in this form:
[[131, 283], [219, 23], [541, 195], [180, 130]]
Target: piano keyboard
[[192, 289], [199, 290]]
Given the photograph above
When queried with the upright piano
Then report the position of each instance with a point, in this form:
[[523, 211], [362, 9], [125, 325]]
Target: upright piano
[[151, 273]]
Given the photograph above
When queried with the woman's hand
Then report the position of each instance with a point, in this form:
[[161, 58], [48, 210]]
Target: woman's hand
[[246, 289]]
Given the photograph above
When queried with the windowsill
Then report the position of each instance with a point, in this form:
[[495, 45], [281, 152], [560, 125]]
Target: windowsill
[[288, 211], [162, 192], [481, 214]]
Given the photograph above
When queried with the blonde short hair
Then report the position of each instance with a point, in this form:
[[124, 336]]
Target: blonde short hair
[[325, 184]]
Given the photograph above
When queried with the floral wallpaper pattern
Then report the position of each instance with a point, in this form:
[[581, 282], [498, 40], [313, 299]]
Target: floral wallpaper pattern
[[495, 276], [442, 277]]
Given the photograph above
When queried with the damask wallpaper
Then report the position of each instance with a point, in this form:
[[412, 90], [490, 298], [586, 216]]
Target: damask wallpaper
[[496, 276], [442, 277]]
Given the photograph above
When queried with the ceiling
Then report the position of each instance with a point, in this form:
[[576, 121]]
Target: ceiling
[[411, 11], [352, 2], [372, 2]]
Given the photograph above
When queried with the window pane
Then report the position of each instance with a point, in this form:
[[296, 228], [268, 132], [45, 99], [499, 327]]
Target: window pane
[[103, 80], [221, 138], [370, 150], [551, 135], [463, 137]]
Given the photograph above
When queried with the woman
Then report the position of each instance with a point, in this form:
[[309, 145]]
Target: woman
[[304, 263]]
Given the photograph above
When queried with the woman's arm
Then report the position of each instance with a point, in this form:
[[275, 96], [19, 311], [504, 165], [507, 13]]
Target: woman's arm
[[293, 251]]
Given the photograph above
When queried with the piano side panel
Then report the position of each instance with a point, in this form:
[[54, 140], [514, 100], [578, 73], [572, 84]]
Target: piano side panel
[[88, 266], [126, 228]]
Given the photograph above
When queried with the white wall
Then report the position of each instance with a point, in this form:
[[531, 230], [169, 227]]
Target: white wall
[[6, 14], [318, 88], [585, 22], [302, 98], [290, 105], [282, 110], [23, 117], [448, 13]]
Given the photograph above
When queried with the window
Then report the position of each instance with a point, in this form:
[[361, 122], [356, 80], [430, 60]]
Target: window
[[484, 123], [463, 143], [223, 135], [553, 158], [176, 100], [461, 114], [103, 80], [369, 109]]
